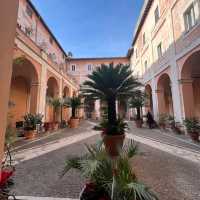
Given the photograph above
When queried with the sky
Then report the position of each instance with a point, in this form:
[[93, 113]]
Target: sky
[[91, 28]]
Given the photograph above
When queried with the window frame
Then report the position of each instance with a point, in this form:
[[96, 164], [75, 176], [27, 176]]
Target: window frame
[[156, 14], [89, 67], [73, 68], [159, 50], [189, 13], [29, 11]]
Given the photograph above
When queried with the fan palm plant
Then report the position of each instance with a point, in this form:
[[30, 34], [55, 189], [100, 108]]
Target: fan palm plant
[[110, 83], [55, 103], [97, 167], [74, 103]]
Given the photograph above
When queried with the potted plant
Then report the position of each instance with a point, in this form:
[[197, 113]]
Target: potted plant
[[74, 103], [137, 101], [110, 83], [163, 118], [193, 128], [29, 126], [96, 166], [55, 103]]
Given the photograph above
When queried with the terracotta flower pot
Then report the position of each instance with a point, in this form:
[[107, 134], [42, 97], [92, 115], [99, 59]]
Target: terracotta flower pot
[[138, 123], [74, 122], [113, 144], [47, 126], [30, 134], [194, 136], [162, 126], [55, 125]]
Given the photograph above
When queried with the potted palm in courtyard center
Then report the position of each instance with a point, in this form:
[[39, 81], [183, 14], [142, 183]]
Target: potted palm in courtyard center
[[110, 83]]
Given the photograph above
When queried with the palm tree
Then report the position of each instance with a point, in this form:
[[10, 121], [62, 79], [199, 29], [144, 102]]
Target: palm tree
[[74, 103], [55, 103], [138, 101], [110, 83]]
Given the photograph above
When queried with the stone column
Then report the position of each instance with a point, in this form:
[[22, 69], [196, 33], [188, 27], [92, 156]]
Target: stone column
[[154, 99], [176, 93], [188, 97], [8, 22], [97, 109], [43, 90]]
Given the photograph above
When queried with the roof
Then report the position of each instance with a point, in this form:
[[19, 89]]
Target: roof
[[99, 58], [45, 25], [145, 9]]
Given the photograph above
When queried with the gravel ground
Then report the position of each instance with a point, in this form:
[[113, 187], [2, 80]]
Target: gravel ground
[[171, 178]]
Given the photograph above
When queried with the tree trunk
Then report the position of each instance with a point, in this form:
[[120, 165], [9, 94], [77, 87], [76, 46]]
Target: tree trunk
[[73, 112], [112, 115], [61, 114], [138, 113]]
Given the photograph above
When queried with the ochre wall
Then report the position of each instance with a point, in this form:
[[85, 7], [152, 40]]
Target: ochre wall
[[6, 54]]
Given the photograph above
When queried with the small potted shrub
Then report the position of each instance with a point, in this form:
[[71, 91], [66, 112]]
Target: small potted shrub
[[163, 118], [30, 126], [137, 101], [74, 103], [110, 83], [193, 128]]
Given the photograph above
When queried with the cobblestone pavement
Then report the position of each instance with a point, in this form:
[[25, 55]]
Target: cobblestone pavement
[[171, 176], [165, 136]]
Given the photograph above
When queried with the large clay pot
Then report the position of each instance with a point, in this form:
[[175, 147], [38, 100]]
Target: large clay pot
[[74, 122], [194, 136], [138, 123], [113, 144], [30, 134]]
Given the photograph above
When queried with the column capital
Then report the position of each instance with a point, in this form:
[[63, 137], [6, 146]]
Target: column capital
[[35, 84], [185, 81], [159, 91]]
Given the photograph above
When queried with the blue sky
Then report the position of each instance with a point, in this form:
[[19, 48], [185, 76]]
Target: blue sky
[[91, 28]]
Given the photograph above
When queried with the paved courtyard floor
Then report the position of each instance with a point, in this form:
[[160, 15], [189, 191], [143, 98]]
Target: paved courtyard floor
[[168, 164]]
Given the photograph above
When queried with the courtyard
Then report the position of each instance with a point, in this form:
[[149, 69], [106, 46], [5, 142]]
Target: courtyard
[[168, 164]]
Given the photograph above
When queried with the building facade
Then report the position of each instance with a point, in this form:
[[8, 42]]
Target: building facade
[[80, 68], [39, 67], [165, 53]]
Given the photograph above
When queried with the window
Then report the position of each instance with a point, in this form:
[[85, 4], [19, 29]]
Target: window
[[156, 14], [136, 55], [144, 39], [145, 65], [159, 50], [189, 18], [29, 11], [73, 68], [51, 40], [89, 67]]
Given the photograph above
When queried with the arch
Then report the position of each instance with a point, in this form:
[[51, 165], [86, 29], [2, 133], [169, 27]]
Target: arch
[[52, 87], [52, 92], [24, 89], [149, 103], [164, 95], [190, 83], [66, 92]]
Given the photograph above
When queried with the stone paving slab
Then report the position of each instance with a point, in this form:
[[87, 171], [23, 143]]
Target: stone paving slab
[[169, 175], [164, 137]]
